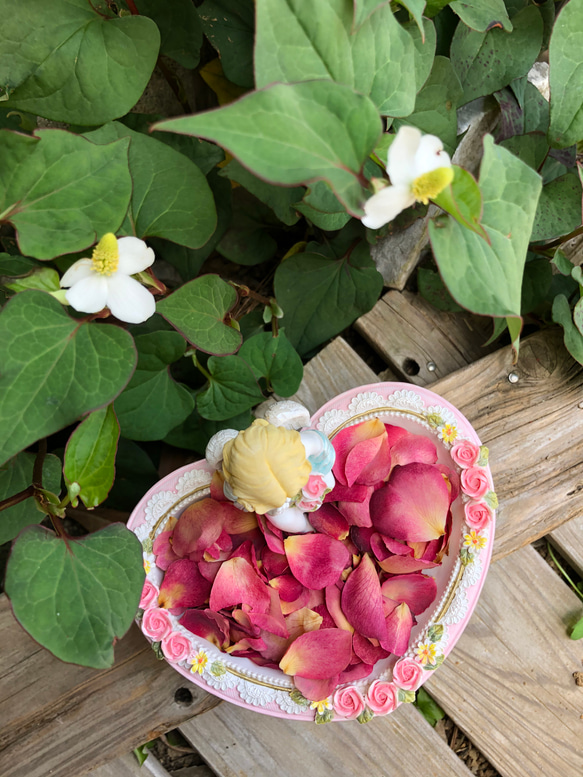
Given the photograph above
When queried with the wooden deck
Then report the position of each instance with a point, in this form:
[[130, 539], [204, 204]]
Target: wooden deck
[[508, 684]]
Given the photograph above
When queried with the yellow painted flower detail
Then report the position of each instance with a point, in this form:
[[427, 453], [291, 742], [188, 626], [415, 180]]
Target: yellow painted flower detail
[[426, 653], [474, 541], [448, 433], [321, 706], [199, 661], [147, 566]]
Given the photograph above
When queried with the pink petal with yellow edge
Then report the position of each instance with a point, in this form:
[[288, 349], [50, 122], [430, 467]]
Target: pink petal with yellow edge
[[366, 651], [273, 537], [237, 582], [288, 587], [272, 620], [274, 564], [303, 600], [318, 655], [403, 565], [208, 626], [348, 440], [327, 520], [413, 505], [413, 448], [316, 560], [333, 596], [220, 549], [199, 526], [399, 625], [417, 590], [322, 611], [217, 483], [362, 601], [183, 586], [452, 480], [209, 569], [253, 643], [301, 621], [316, 690], [237, 521], [163, 550], [355, 672]]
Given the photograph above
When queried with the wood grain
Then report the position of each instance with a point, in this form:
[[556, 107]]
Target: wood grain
[[411, 334], [242, 743], [61, 719], [568, 539], [508, 683]]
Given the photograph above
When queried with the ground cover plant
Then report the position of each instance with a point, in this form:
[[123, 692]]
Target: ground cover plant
[[318, 128]]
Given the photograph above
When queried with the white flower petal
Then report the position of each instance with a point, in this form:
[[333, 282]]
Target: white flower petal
[[430, 155], [88, 295], [134, 255], [128, 300], [76, 272], [385, 205], [401, 157]]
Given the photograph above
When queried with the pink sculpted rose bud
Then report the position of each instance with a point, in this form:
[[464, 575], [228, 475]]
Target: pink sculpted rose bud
[[465, 453], [348, 702], [156, 624], [176, 647], [477, 515], [407, 674], [475, 482], [315, 487], [149, 595], [382, 697]]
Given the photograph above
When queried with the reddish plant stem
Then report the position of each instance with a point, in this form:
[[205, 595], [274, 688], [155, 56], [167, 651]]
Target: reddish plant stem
[[17, 498], [132, 8], [37, 472], [560, 240], [245, 291]]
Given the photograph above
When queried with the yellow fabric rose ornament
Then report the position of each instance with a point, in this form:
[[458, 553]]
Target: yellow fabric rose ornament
[[265, 465]]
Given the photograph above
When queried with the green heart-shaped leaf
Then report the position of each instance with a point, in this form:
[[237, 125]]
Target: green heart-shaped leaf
[[16, 476], [180, 29], [76, 596], [153, 403], [61, 192], [54, 368], [572, 336], [483, 15], [559, 208], [566, 75], [67, 61], [487, 278], [90, 456], [170, 198], [295, 133], [276, 360], [229, 25], [198, 309], [232, 389]]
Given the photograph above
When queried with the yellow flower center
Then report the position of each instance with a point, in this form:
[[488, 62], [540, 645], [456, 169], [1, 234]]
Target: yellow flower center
[[105, 258], [427, 186]]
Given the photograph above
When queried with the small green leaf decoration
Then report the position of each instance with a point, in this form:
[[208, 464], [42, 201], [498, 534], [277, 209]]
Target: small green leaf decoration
[[304, 41], [573, 338], [435, 107], [180, 29], [54, 368], [67, 61], [298, 698], [366, 715], [61, 192], [487, 278], [321, 296], [429, 708], [435, 632], [295, 133], [230, 25], [406, 696], [153, 403], [198, 309], [559, 208], [76, 596], [566, 74], [484, 456], [491, 500], [232, 389], [438, 659], [463, 200], [276, 360], [486, 62], [483, 15], [326, 716], [41, 278], [170, 198], [16, 476], [577, 630], [432, 288], [90, 456]]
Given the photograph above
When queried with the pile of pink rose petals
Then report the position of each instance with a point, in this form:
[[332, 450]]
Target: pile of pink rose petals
[[323, 607]]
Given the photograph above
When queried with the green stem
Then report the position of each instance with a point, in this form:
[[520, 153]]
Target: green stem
[[200, 368], [563, 572]]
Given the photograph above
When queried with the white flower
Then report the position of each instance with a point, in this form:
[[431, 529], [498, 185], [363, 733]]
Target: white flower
[[104, 280], [419, 170]]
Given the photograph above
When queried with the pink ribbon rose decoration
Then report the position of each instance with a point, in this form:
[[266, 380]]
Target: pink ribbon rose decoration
[[477, 515], [156, 624], [407, 674], [465, 453], [348, 702], [382, 697], [475, 482], [149, 595], [176, 647]]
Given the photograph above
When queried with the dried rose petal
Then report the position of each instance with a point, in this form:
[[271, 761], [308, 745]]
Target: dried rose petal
[[183, 586], [328, 520], [362, 601], [208, 625], [399, 624], [237, 582], [362, 454], [316, 560], [417, 590], [318, 655]]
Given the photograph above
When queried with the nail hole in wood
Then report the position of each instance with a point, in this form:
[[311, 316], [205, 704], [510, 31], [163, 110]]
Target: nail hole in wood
[[410, 367], [183, 697]]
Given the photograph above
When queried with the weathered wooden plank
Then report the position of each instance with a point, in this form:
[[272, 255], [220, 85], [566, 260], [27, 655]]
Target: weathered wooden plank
[[61, 719], [242, 743], [124, 766], [422, 343], [568, 539], [508, 684], [335, 369]]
